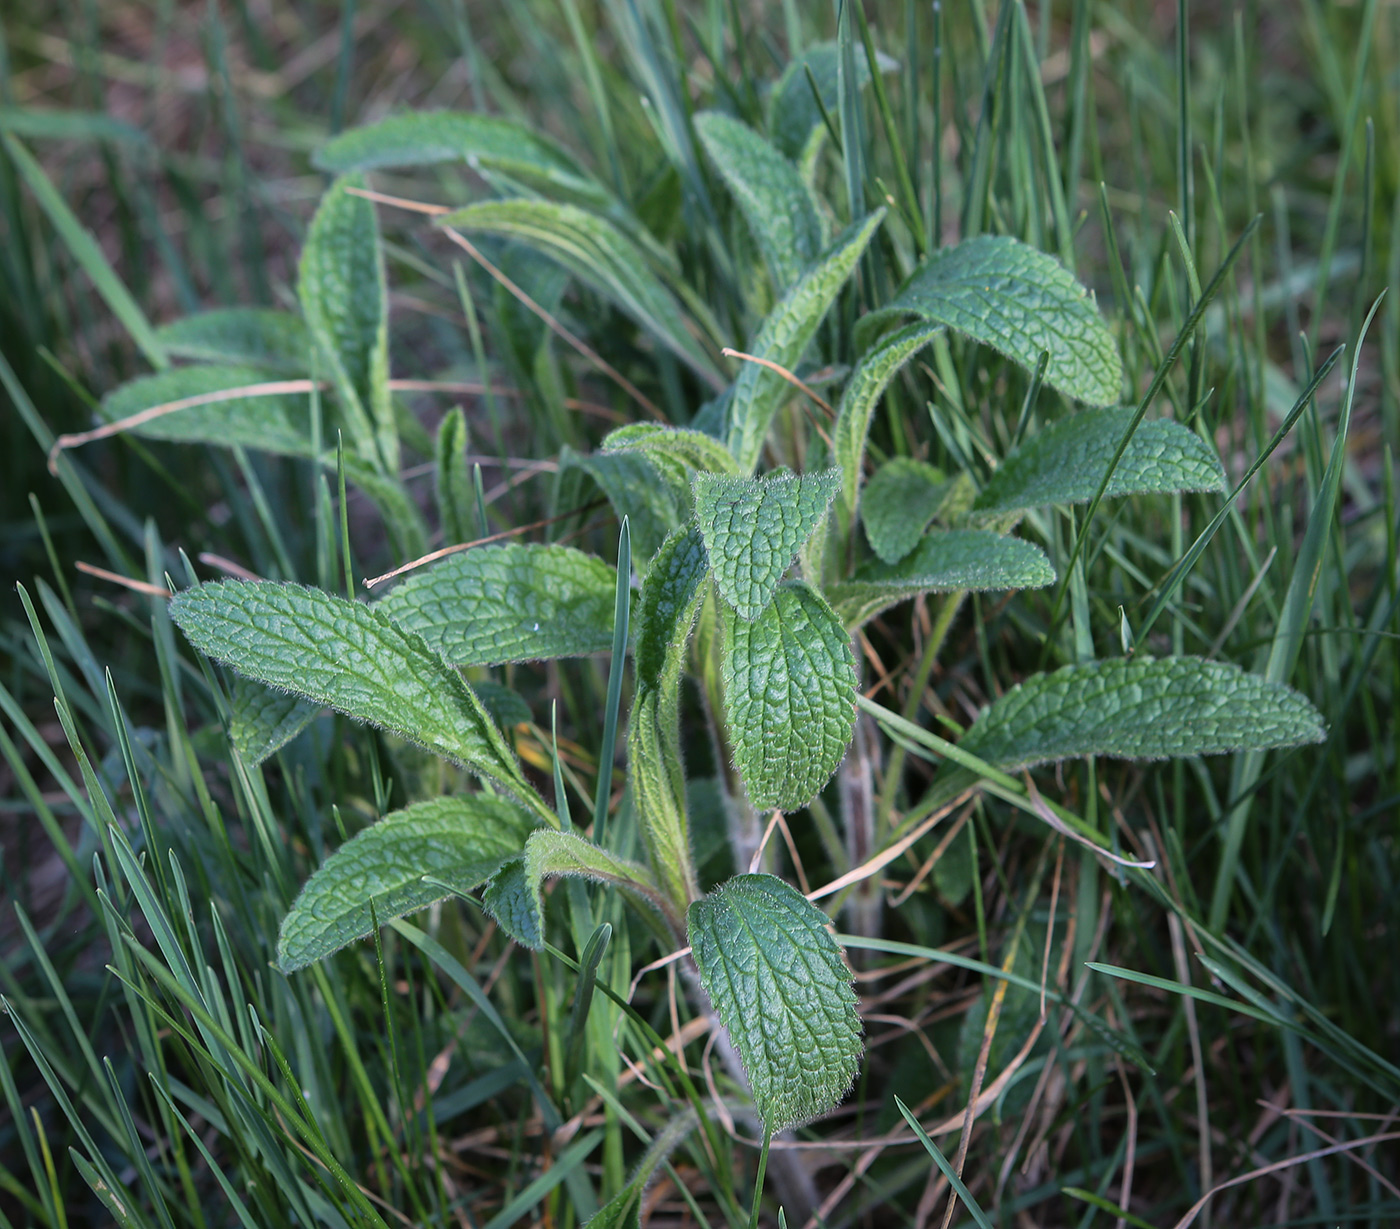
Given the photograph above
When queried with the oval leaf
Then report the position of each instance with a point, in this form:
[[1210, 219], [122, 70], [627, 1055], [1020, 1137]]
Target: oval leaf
[[901, 500], [253, 336], [694, 449], [780, 985], [1065, 463], [262, 720], [495, 604], [1141, 709], [347, 656], [1007, 295], [460, 841], [789, 697], [754, 526]]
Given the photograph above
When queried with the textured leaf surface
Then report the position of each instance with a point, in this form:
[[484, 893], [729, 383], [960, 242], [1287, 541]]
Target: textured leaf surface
[[769, 192], [494, 604], [344, 301], [461, 841], [902, 498], [975, 559], [780, 984], [279, 423], [694, 449], [649, 490], [786, 333], [754, 526], [862, 394], [667, 607], [602, 257], [1141, 709], [483, 142], [1007, 295], [506, 706], [349, 657], [510, 899], [263, 720], [1065, 463], [251, 336], [789, 696]]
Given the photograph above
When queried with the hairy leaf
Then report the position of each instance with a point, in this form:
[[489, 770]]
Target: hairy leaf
[[460, 841], [863, 392], [250, 336], [789, 696], [483, 142], [786, 333], [694, 449], [754, 526], [456, 500], [902, 498], [1142, 709], [670, 597], [495, 604], [510, 899], [769, 192], [780, 984], [1007, 295], [650, 490], [344, 300], [349, 657], [506, 706], [602, 257], [1065, 463], [944, 560], [263, 720]]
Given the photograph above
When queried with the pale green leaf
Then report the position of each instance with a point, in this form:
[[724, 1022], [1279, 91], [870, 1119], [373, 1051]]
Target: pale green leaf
[[599, 255], [279, 423], [861, 395], [1064, 463], [780, 985], [459, 841], [651, 490], [344, 300], [1141, 709], [944, 561], [785, 334], [769, 192], [349, 657], [263, 720], [248, 336], [694, 449], [789, 696], [904, 495], [754, 526], [483, 142], [1007, 295], [495, 604]]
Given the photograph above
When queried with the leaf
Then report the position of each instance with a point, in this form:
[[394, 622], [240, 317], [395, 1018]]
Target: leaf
[[509, 899], [861, 395], [1141, 709], [344, 300], [651, 491], [622, 1211], [789, 697], [599, 255], [248, 336], [902, 498], [349, 657], [666, 610], [1005, 294], [1064, 463], [461, 841], [944, 561], [506, 706], [785, 334], [278, 423], [780, 984], [263, 720], [754, 526], [694, 449], [43, 123], [484, 142], [495, 604], [456, 499], [794, 117], [769, 192]]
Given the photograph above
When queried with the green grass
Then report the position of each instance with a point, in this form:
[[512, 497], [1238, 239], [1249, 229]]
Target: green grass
[[157, 1070]]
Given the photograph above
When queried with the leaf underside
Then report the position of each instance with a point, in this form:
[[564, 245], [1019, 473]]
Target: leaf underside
[[263, 720], [902, 498]]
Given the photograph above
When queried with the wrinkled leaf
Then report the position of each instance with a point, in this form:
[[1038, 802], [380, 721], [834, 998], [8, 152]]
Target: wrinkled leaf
[[511, 602], [754, 526], [1064, 463], [903, 497], [460, 841], [249, 336], [780, 984], [510, 900], [694, 449], [1141, 709], [666, 609], [263, 720], [789, 696]]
